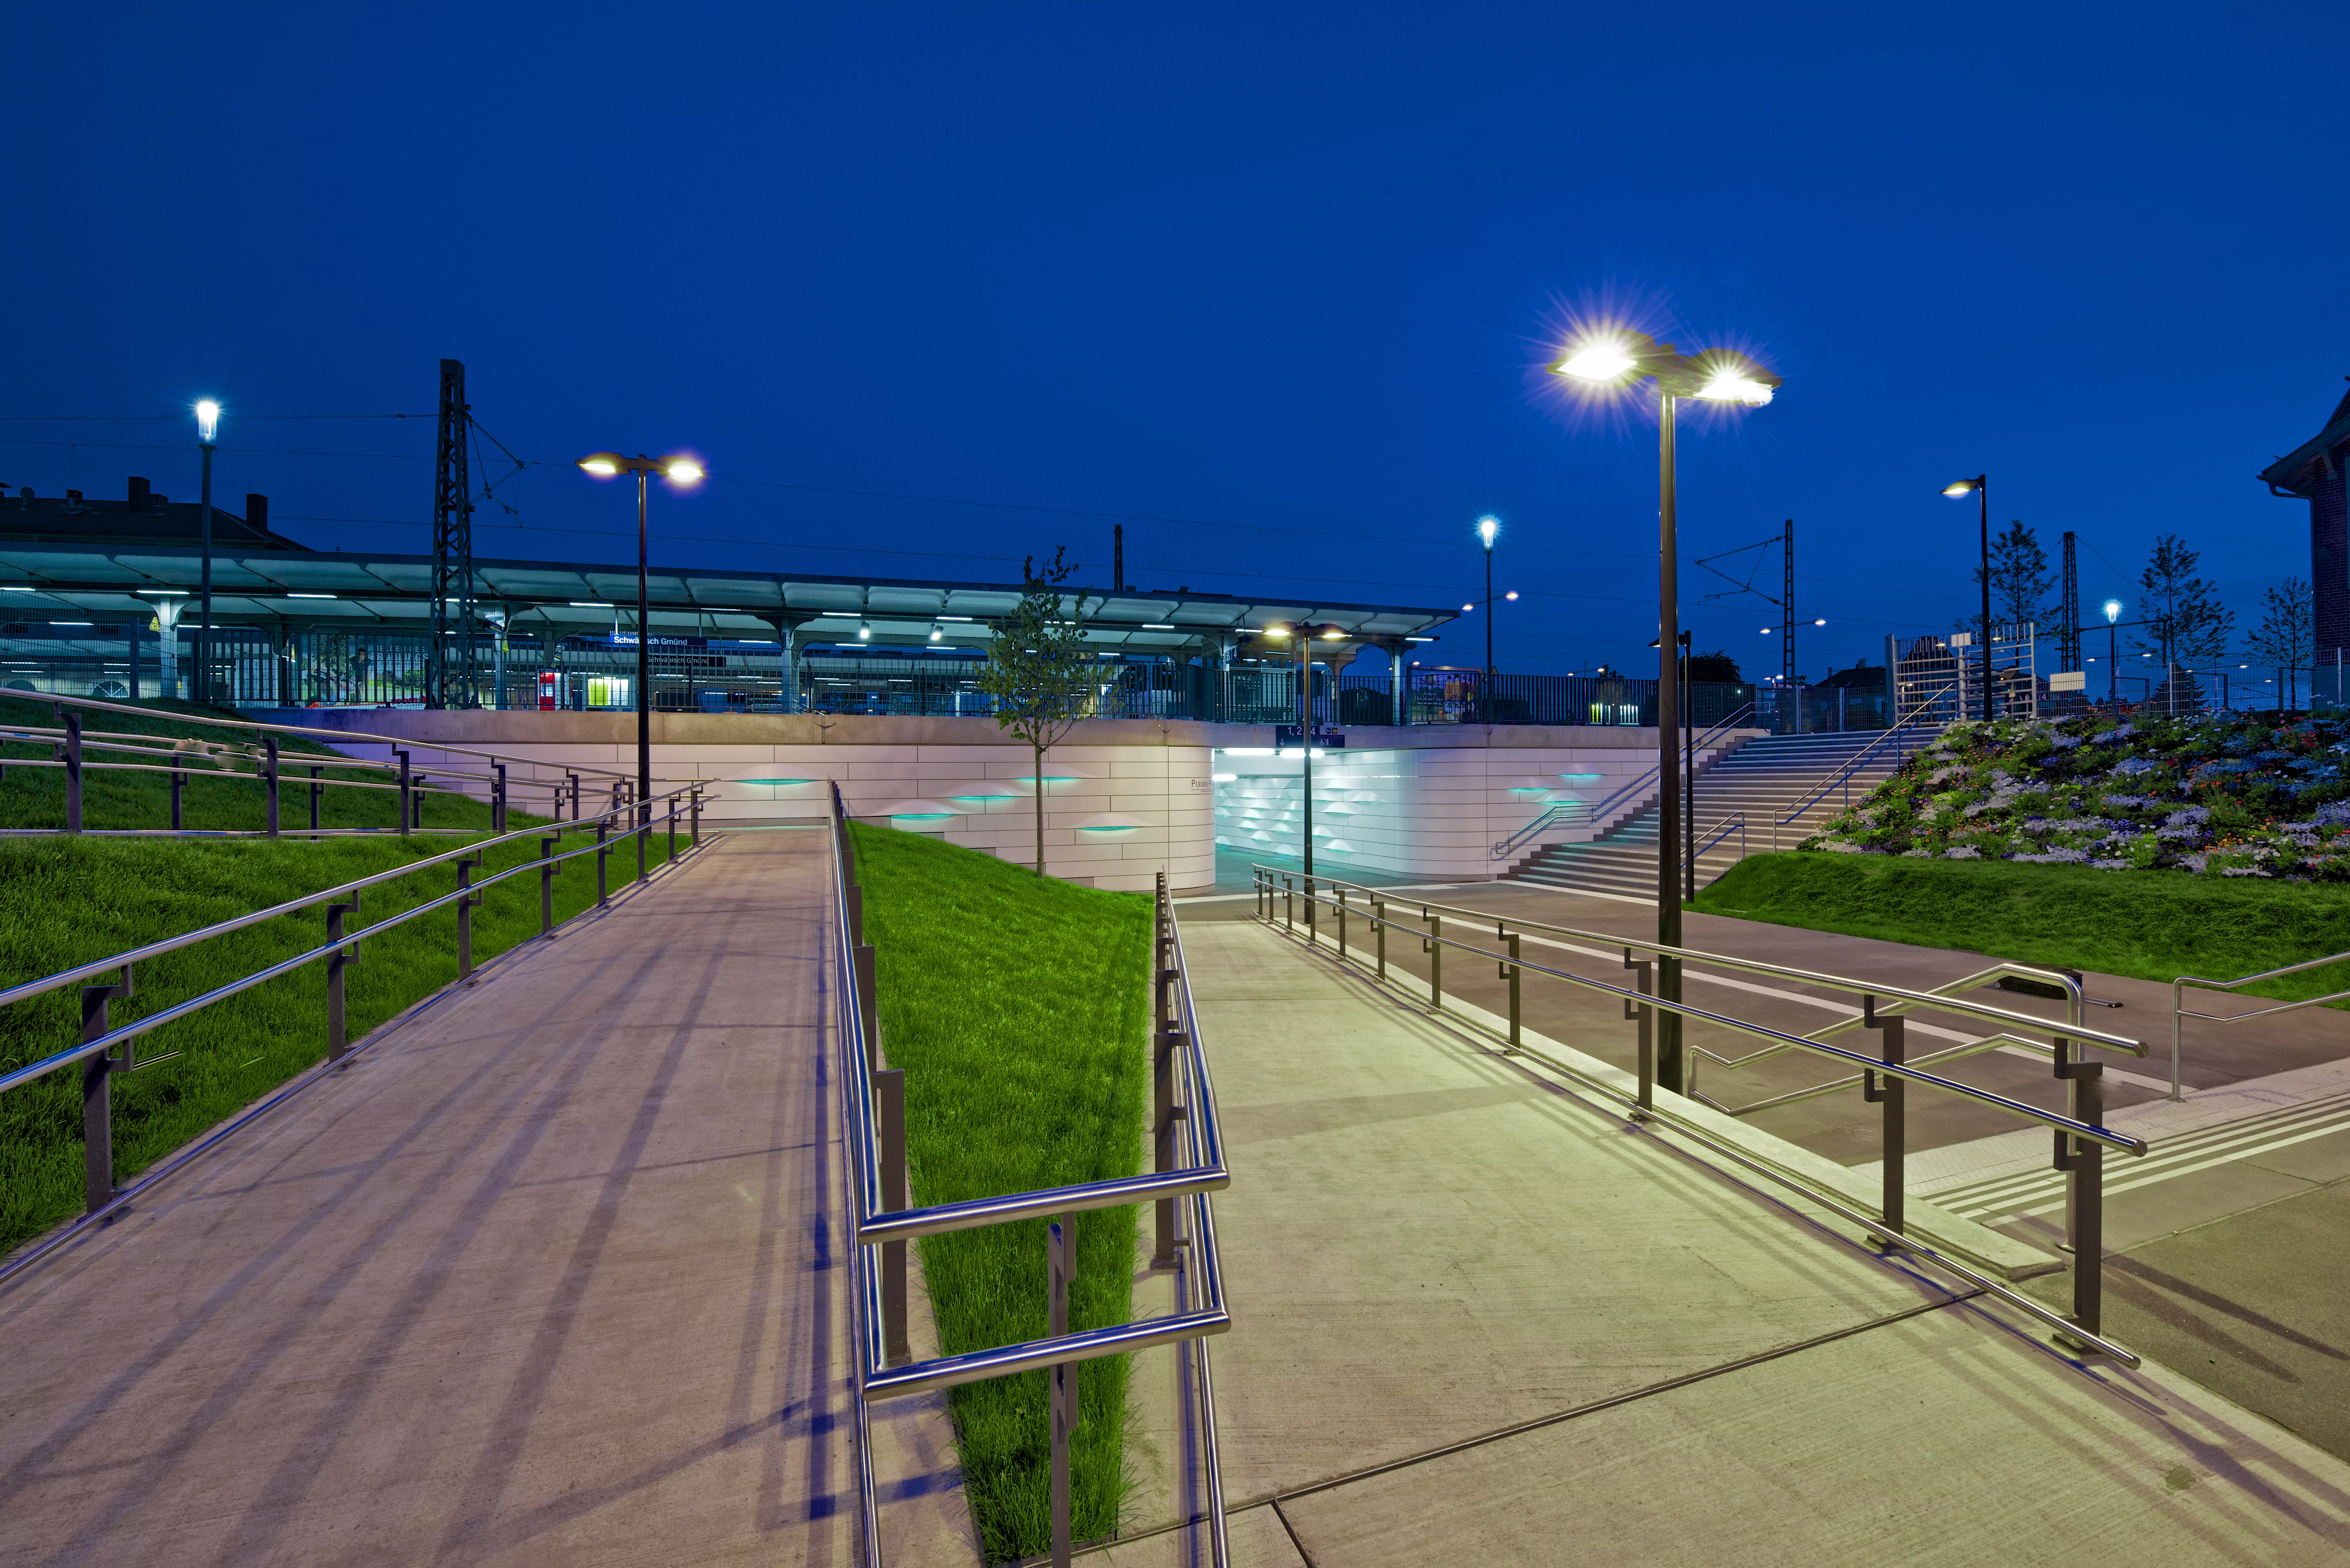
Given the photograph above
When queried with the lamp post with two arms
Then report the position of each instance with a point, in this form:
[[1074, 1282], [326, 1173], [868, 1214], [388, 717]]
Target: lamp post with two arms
[[678, 471], [1622, 359]]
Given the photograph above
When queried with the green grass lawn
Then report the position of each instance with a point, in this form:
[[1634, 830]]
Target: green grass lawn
[[1019, 1009], [2151, 925], [76, 899], [35, 797]]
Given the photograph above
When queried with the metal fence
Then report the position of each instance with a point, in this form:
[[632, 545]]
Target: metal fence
[[105, 1049], [1330, 905], [1187, 1158]]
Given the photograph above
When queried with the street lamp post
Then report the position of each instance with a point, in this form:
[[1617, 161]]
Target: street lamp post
[[207, 437], [677, 470], [1488, 528], [1713, 375], [1980, 485]]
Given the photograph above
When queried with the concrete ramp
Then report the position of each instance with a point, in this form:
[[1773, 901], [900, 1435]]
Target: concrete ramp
[[1479, 1318], [545, 1276]]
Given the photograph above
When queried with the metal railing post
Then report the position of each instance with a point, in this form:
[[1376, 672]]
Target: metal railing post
[[317, 790], [638, 832], [1288, 902], [179, 797], [694, 835], [1515, 971], [575, 797], [1166, 1040], [73, 770], [672, 830], [1342, 918], [406, 788], [1311, 934], [545, 886], [466, 921], [269, 751], [1434, 944], [1060, 1259], [1891, 1094], [97, 1096], [1645, 1014], [2083, 1164], [338, 1040], [498, 799], [603, 861], [890, 1111]]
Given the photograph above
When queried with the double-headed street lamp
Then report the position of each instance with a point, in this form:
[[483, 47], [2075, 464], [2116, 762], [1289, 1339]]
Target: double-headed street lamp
[[1621, 359], [207, 437], [1980, 487], [679, 471]]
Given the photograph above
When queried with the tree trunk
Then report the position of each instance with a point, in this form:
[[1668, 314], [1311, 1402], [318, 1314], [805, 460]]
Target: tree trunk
[[1039, 781]]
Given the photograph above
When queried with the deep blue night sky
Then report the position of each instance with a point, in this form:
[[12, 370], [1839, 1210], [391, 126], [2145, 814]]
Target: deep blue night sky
[[1288, 272]]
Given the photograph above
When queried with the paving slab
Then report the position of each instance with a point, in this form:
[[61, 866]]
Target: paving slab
[[548, 1274], [1943, 1441], [1423, 1242]]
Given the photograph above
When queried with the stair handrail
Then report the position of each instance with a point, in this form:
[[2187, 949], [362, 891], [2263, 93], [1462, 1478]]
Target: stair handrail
[[1699, 842], [1564, 810], [1844, 774]]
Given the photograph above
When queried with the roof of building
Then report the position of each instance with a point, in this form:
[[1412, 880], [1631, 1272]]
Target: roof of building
[[143, 517], [2299, 471], [281, 582]]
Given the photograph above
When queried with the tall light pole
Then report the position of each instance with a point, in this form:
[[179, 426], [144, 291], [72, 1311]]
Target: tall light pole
[[677, 470], [1980, 486], [1714, 374], [1306, 637], [1489, 528], [207, 437]]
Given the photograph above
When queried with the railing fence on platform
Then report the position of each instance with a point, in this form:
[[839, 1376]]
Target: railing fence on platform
[[2081, 1139], [1187, 1144]]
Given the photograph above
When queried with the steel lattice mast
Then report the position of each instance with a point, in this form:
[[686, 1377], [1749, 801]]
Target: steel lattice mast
[[451, 668], [2068, 643], [1787, 606]]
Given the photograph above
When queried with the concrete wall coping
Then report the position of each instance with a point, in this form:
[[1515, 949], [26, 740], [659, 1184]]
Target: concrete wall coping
[[489, 729]]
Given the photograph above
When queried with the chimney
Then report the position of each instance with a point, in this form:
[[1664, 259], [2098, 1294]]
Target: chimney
[[256, 511], [73, 501], [137, 493]]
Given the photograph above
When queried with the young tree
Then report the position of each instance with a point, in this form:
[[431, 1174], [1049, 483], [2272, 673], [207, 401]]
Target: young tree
[[1040, 670], [1716, 666], [2189, 624], [2287, 636], [2020, 579]]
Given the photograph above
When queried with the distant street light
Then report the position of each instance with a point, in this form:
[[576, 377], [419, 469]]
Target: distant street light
[[207, 437], [2113, 654], [1714, 374], [1489, 528], [1980, 487], [680, 471]]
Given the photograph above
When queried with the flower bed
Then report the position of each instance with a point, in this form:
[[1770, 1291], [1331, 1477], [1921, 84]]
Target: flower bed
[[2223, 794]]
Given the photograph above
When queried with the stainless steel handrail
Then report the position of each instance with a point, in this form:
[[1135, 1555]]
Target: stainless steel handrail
[[1699, 842], [105, 1039], [1563, 812], [1199, 1143], [1786, 819], [2180, 1011], [2080, 1140], [154, 1021]]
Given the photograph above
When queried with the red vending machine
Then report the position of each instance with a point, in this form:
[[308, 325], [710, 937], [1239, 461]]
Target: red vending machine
[[550, 690]]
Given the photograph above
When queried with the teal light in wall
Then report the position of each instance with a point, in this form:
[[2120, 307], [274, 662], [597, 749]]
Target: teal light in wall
[[777, 781], [1583, 778]]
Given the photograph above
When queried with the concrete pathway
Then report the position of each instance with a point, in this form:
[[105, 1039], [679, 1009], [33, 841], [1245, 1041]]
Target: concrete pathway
[[1478, 1318], [547, 1276]]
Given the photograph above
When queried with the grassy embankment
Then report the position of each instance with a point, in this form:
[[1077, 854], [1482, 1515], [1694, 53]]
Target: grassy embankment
[[2151, 925], [65, 901], [1018, 1008]]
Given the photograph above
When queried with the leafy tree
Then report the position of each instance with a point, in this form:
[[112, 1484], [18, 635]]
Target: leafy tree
[[1715, 666], [2189, 624], [2287, 636], [1040, 668]]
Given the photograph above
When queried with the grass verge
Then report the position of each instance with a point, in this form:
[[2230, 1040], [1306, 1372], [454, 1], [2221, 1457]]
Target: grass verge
[[1018, 1007], [65, 901], [2151, 925], [216, 799]]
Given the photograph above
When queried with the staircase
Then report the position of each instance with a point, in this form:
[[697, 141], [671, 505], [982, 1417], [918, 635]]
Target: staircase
[[1760, 778]]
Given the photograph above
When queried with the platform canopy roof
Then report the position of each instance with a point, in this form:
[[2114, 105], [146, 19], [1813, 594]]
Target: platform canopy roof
[[365, 591]]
